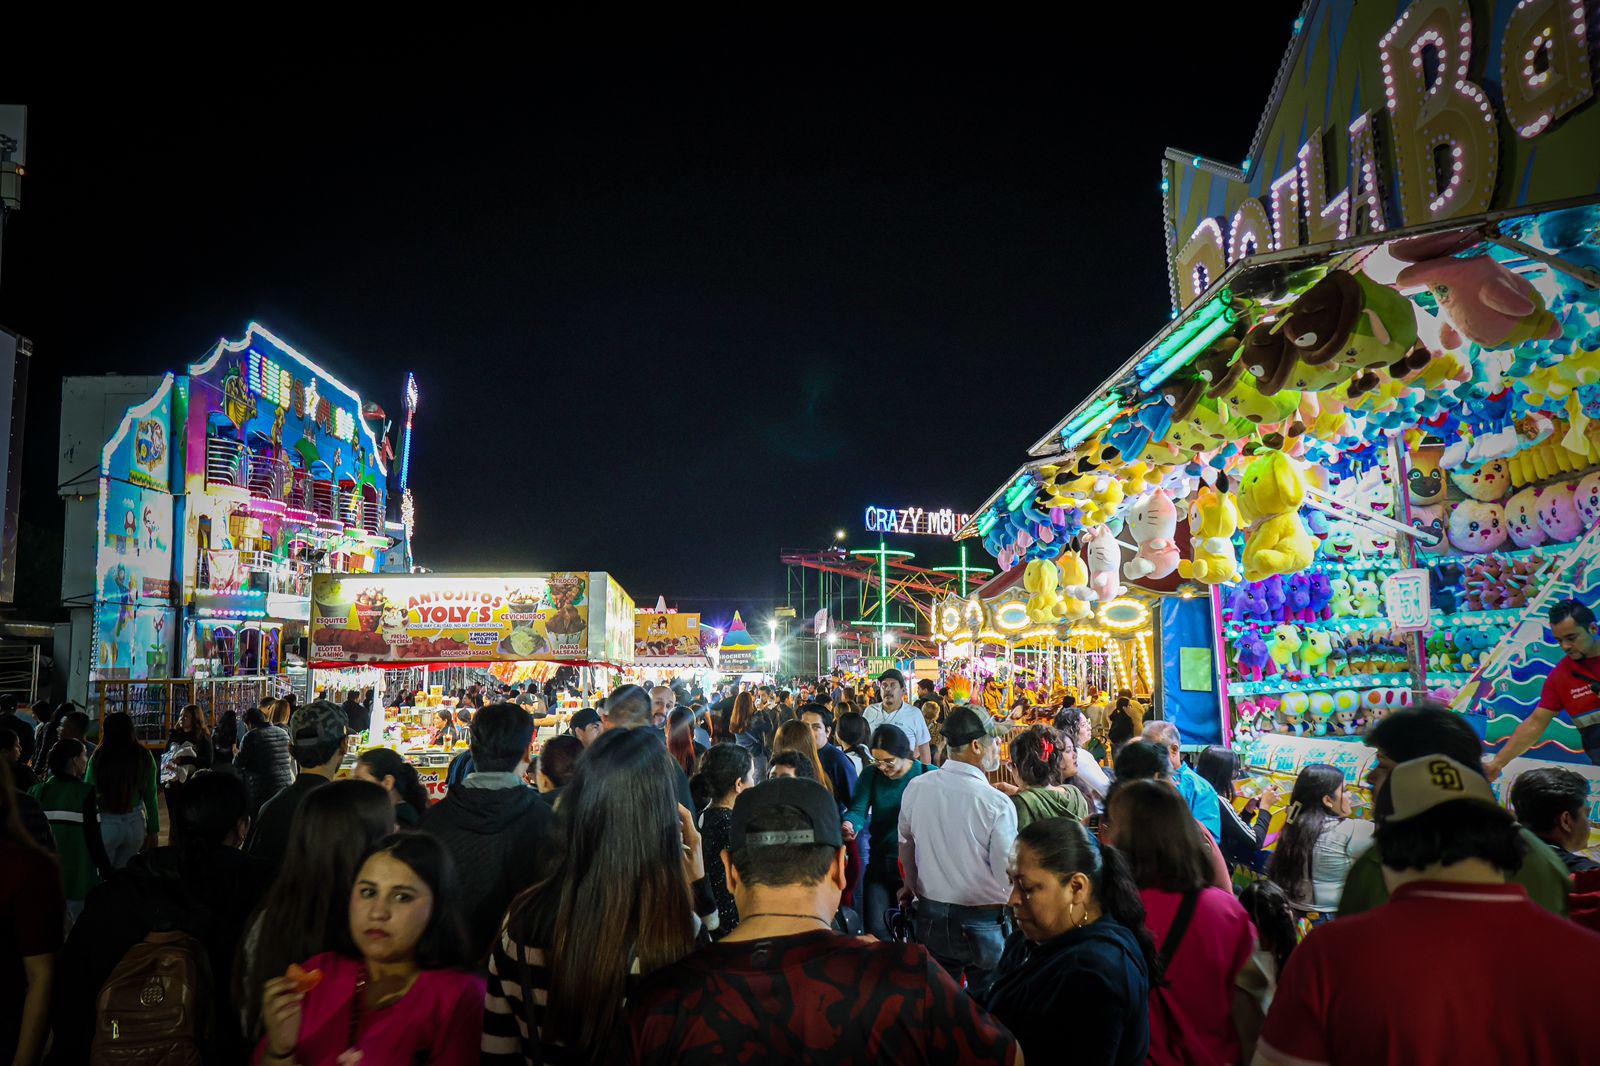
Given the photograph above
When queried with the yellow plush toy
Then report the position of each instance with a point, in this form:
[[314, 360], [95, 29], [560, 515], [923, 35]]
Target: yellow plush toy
[[1212, 524], [1075, 586], [1045, 604], [1270, 496]]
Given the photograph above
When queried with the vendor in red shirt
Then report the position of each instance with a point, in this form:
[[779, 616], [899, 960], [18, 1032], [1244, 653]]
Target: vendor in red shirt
[[1573, 687], [1459, 966]]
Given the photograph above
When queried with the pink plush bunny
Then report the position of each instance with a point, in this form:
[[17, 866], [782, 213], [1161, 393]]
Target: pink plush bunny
[[1481, 299]]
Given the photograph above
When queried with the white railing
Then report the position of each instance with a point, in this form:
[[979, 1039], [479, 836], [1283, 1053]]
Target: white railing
[[227, 462]]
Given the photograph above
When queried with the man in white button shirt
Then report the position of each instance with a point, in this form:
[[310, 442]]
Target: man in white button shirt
[[895, 711], [956, 832]]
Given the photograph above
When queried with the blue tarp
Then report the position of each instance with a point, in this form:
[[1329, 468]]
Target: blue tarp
[[1187, 624]]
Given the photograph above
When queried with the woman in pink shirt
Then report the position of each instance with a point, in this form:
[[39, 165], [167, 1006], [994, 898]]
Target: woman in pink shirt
[[394, 993], [1207, 1011]]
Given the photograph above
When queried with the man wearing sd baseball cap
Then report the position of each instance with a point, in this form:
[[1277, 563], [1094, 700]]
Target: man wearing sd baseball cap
[[1428, 977], [784, 985], [895, 711]]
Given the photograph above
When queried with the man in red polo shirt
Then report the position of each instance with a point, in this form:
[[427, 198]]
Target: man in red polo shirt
[[1458, 966], [1573, 687]]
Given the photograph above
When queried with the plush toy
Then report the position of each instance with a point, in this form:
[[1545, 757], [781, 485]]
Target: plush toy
[[1213, 521], [1074, 587], [1441, 650], [1104, 554], [1522, 519], [1042, 580], [1488, 484], [1298, 607], [1321, 711], [1346, 706], [1444, 582], [1587, 499], [1321, 596], [1365, 598], [1485, 301], [1341, 542], [1252, 656], [1477, 527], [1315, 651], [1342, 600], [1373, 543], [1558, 512], [1292, 713], [1429, 520], [1285, 645], [1153, 521], [1352, 321], [1471, 642], [1272, 591], [1270, 495], [1425, 482]]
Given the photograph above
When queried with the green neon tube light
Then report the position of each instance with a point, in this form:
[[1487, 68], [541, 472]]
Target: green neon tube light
[[986, 522], [1202, 340], [1089, 428], [1018, 494], [1185, 333]]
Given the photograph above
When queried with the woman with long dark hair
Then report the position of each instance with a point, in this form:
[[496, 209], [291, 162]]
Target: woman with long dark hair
[[32, 907], [617, 903], [1277, 929], [1243, 832], [797, 737], [725, 771], [680, 738], [305, 911], [1319, 841], [1044, 760], [124, 777], [190, 729], [1207, 1009], [225, 741], [385, 766], [396, 989], [1075, 978]]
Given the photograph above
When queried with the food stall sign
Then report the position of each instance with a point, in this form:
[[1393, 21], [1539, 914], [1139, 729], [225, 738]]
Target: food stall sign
[[416, 618]]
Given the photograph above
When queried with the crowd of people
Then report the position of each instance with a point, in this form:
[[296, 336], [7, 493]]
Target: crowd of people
[[795, 875]]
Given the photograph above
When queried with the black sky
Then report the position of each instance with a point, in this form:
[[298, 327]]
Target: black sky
[[673, 303]]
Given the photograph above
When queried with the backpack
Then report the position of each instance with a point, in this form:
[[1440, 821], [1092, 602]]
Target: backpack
[[154, 1008]]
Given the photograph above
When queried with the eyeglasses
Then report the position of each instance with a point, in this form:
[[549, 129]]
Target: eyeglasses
[[885, 764]]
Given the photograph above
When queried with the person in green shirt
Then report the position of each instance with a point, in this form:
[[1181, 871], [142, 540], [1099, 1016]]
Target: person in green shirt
[[69, 806], [1415, 733], [875, 807], [1044, 759]]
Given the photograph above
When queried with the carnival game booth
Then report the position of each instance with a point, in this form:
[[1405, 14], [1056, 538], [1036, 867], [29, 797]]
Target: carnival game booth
[[414, 621], [1372, 411]]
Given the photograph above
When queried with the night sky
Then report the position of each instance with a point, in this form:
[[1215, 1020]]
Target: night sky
[[673, 303]]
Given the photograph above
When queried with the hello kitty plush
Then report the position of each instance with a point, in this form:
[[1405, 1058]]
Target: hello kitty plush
[[1588, 499], [1488, 483], [1477, 527], [1522, 519], [1558, 512], [1103, 555], [1153, 521]]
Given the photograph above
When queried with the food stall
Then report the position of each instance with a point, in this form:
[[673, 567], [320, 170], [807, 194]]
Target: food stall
[[411, 621], [1375, 412]]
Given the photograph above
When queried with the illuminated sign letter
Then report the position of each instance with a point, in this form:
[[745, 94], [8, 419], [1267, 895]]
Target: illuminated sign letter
[[1286, 210], [1251, 231], [1201, 261], [1544, 64], [1326, 216], [1445, 142], [1366, 190]]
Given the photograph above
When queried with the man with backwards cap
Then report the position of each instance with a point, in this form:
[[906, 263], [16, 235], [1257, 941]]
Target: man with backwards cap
[[956, 832], [784, 986], [1459, 966], [895, 711]]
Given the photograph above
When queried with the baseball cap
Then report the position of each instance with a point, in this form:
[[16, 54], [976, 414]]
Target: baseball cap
[[963, 725], [1423, 784], [893, 675], [585, 718], [317, 723], [815, 803]]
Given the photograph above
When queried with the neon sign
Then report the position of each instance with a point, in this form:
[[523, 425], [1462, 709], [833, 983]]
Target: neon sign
[[915, 520]]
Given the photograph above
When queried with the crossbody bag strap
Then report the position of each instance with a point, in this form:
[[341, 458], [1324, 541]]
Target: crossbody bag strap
[[1180, 926]]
